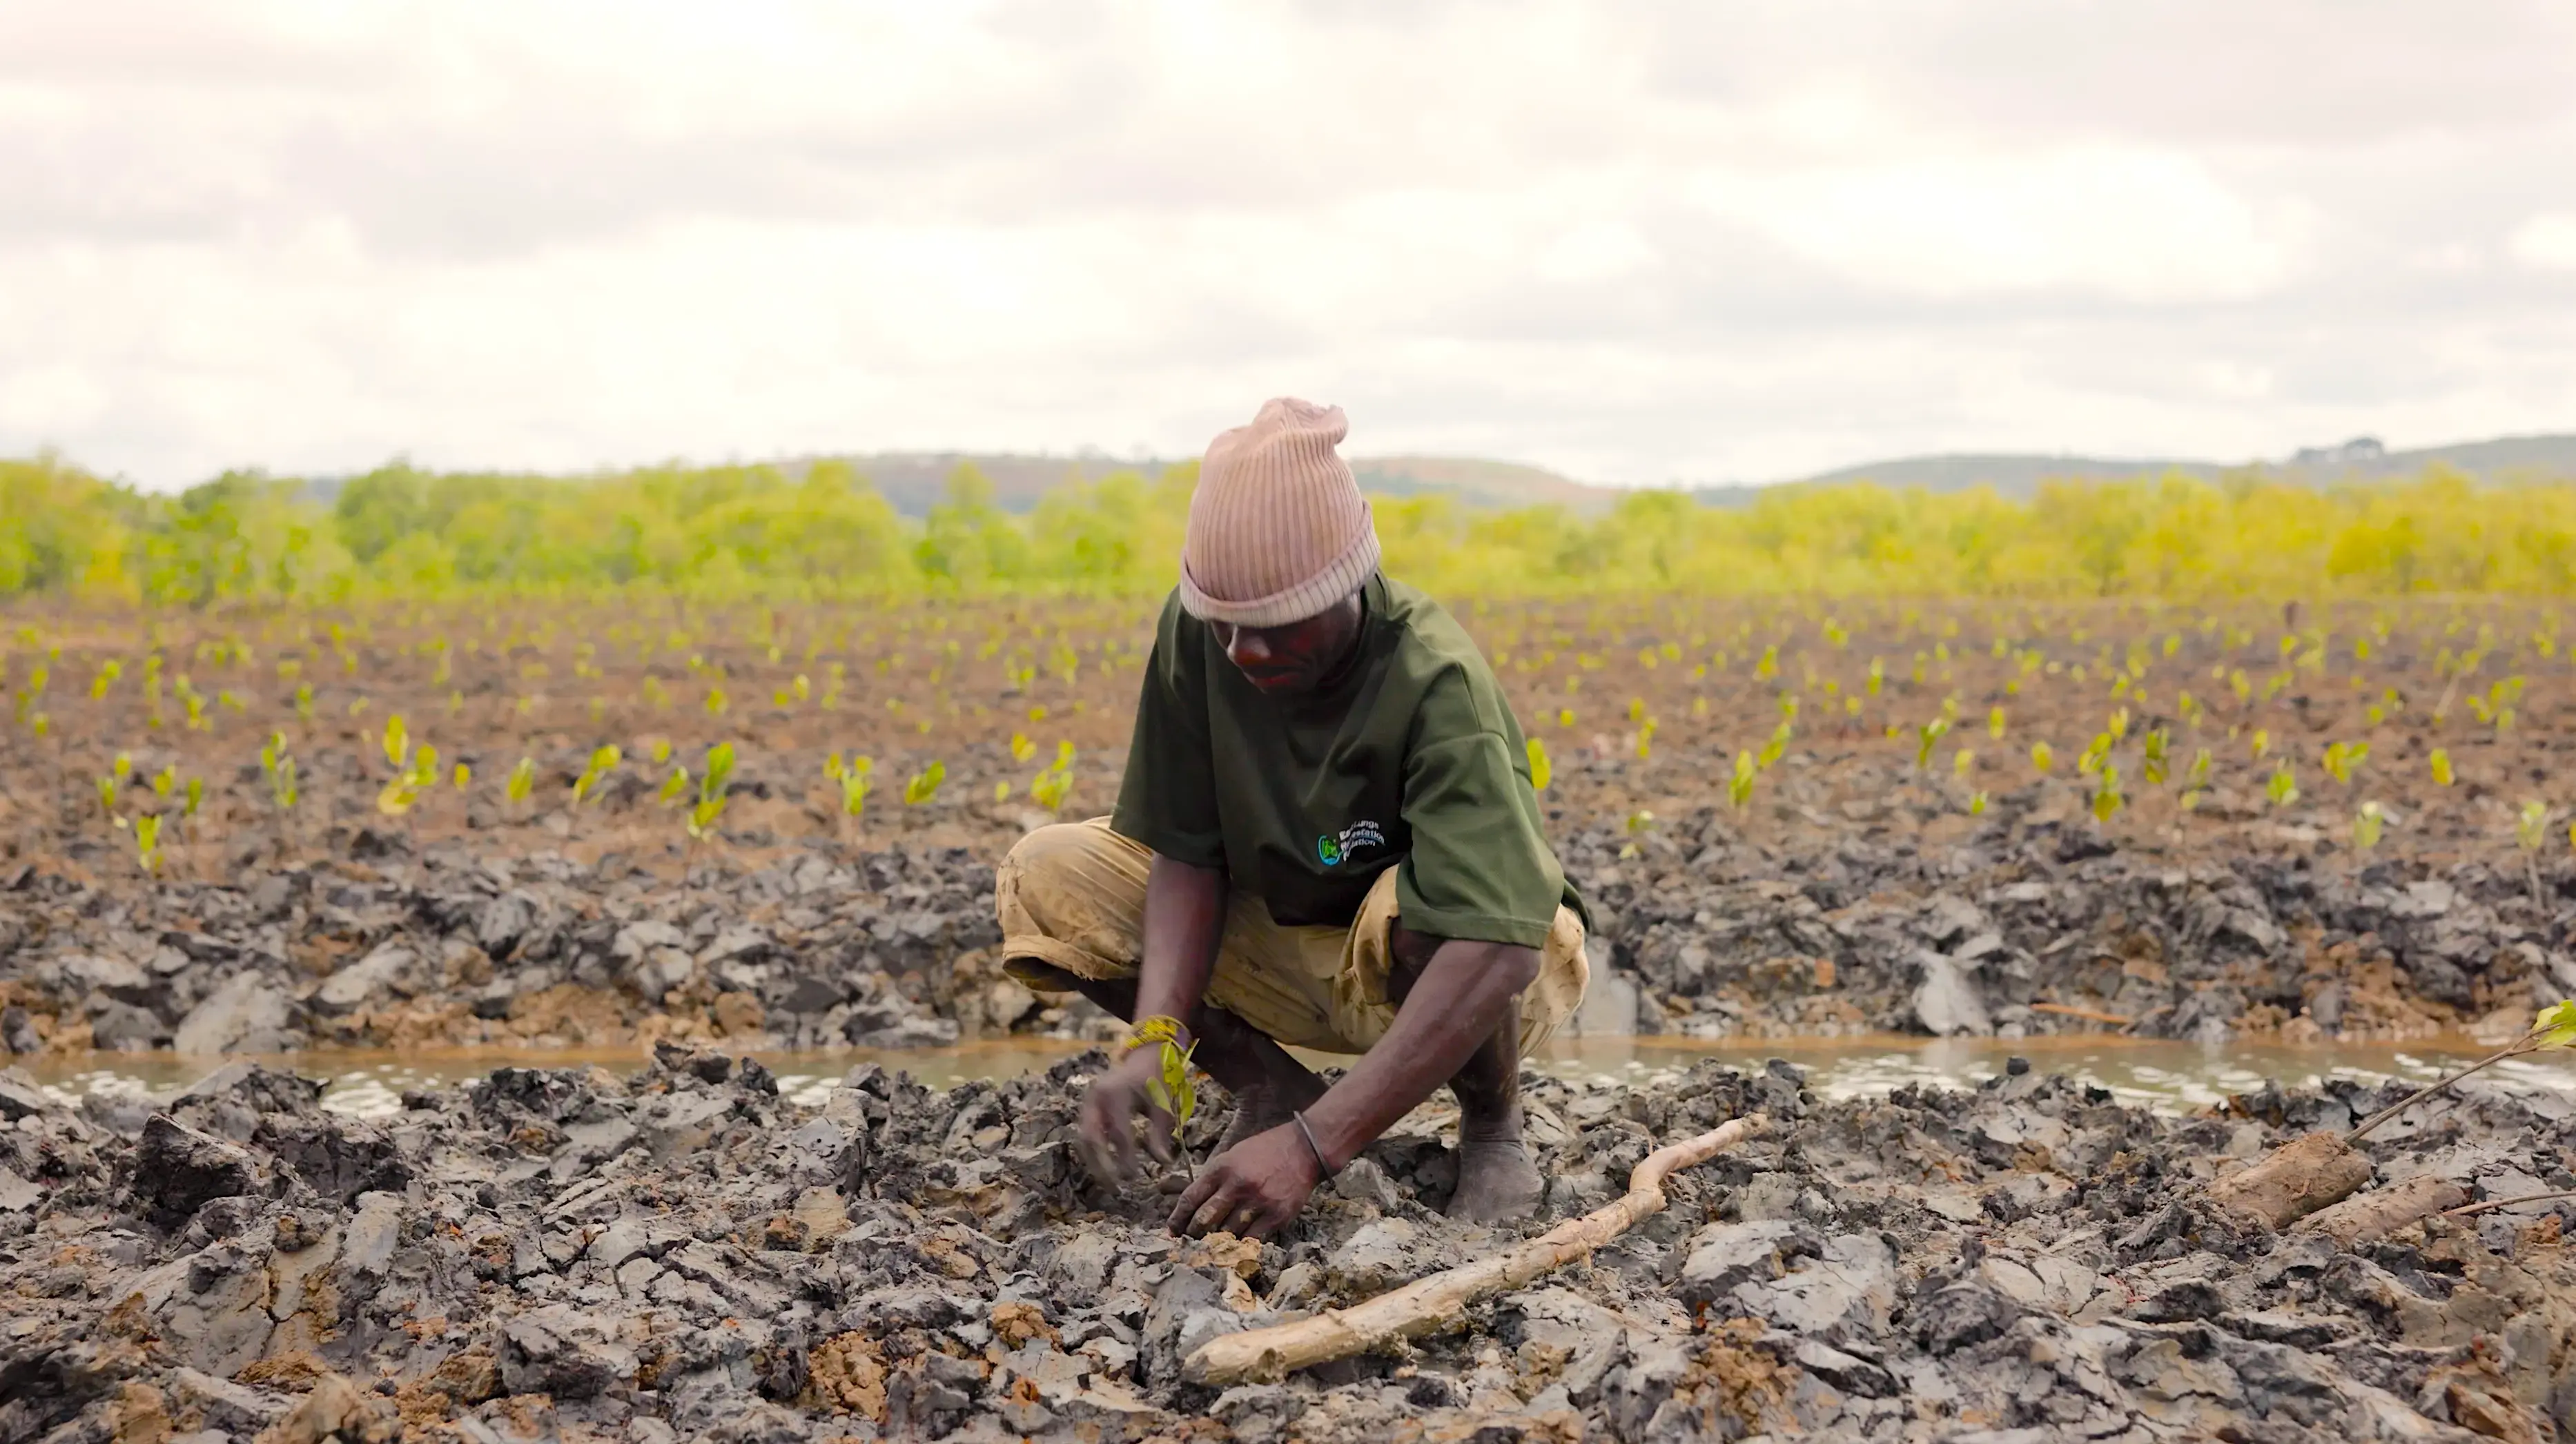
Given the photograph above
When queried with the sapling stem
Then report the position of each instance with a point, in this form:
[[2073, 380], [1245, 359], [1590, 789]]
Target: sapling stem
[[2556, 1028]]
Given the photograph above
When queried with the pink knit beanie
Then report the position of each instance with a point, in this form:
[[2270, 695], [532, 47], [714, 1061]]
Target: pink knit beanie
[[1278, 529]]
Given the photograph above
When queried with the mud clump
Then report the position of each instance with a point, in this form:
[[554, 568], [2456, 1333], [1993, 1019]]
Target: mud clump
[[684, 1254], [1705, 926]]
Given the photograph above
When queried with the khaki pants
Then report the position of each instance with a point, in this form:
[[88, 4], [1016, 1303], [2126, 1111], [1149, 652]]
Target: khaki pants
[[1073, 894]]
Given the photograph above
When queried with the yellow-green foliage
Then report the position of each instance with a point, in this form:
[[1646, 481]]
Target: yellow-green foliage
[[821, 531]]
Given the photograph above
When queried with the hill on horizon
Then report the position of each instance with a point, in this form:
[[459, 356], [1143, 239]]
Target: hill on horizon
[[914, 481]]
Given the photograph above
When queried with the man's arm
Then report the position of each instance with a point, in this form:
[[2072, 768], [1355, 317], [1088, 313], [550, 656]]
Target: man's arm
[[1453, 1008], [1464, 992], [1184, 917]]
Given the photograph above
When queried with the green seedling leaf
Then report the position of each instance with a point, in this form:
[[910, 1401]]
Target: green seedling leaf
[[603, 761], [1539, 770], [1739, 787]]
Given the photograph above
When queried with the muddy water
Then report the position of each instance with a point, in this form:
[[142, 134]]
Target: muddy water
[[2167, 1076]]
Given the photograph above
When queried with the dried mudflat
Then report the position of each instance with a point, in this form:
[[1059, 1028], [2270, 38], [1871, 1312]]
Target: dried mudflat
[[682, 1254], [2035, 922]]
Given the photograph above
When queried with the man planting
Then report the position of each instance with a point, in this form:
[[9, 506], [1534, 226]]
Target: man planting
[[1326, 838]]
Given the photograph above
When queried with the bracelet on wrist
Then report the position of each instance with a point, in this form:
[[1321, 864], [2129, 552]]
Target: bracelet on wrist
[[1307, 1132]]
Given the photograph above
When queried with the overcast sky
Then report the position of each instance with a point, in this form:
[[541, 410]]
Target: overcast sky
[[1634, 242]]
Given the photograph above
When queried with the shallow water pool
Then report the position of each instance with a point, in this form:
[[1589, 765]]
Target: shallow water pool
[[2160, 1074]]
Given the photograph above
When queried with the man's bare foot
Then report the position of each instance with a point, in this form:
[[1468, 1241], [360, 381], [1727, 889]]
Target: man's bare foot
[[1497, 1182]]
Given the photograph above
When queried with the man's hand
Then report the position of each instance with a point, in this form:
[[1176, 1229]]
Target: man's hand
[[1251, 1190], [1109, 1112]]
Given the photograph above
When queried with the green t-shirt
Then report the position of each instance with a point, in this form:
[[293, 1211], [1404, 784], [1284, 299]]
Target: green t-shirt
[[1413, 761]]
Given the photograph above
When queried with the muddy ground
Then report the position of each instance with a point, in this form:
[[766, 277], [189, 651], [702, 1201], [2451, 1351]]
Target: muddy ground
[[1852, 890], [681, 1254], [2034, 922]]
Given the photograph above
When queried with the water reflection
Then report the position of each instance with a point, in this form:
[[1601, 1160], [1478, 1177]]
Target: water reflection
[[2167, 1076]]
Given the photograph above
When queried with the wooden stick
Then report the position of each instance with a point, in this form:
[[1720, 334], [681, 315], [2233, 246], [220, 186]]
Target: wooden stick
[[2090, 1015], [1425, 1304], [2382, 1211]]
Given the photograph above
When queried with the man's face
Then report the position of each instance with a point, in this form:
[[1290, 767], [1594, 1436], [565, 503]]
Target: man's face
[[1295, 659]]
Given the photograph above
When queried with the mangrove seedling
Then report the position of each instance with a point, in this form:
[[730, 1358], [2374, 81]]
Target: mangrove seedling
[[1739, 788], [280, 767], [2530, 830], [603, 760], [1538, 767], [924, 785], [713, 788], [2366, 825], [2157, 750], [1050, 787], [522, 781], [1172, 1090], [2106, 794], [2555, 1027]]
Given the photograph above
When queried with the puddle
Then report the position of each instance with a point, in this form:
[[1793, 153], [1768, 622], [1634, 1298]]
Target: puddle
[[2168, 1076]]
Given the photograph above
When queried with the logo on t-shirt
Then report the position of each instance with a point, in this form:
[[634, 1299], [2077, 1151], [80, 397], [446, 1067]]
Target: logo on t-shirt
[[1333, 851]]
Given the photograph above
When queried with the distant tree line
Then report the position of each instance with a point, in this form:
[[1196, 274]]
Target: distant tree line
[[822, 531]]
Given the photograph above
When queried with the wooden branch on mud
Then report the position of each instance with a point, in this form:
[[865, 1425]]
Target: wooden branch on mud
[[2382, 1211], [1426, 1304], [2298, 1178]]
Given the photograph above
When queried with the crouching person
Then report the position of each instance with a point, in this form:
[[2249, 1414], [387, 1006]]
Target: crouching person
[[1326, 838]]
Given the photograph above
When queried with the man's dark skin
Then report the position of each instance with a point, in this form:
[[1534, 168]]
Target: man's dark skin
[[1457, 1022]]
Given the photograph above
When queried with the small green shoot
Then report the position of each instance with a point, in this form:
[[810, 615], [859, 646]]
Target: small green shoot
[[603, 761], [1172, 1090], [2106, 794], [712, 789]]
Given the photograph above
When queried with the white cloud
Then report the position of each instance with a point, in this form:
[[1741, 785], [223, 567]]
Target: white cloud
[[2134, 225], [2548, 242], [1636, 243]]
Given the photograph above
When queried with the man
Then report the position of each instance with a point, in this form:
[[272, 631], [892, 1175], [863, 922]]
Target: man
[[1326, 838]]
